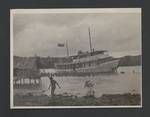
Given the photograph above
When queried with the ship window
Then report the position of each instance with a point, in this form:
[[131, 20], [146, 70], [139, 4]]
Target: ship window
[[81, 65], [73, 66], [97, 62], [89, 63], [67, 66], [70, 66], [77, 65], [84, 64]]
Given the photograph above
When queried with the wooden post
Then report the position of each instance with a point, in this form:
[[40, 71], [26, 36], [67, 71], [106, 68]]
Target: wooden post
[[33, 81], [20, 82], [24, 81], [29, 80], [40, 83], [36, 81]]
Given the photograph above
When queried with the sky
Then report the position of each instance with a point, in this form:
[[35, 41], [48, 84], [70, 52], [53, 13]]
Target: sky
[[39, 33]]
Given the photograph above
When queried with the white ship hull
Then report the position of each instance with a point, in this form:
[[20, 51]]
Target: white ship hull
[[109, 66], [106, 67]]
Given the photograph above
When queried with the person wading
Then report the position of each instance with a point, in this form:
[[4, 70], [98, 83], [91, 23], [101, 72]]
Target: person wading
[[89, 85], [52, 84]]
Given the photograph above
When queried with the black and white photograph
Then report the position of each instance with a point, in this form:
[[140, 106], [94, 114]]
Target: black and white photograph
[[75, 58]]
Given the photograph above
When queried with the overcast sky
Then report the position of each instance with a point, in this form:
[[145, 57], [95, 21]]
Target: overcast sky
[[119, 33]]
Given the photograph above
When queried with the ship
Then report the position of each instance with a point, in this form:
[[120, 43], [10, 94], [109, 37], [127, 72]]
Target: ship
[[88, 63]]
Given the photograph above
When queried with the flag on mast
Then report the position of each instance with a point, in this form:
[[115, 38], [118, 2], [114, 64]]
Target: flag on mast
[[64, 45], [60, 44]]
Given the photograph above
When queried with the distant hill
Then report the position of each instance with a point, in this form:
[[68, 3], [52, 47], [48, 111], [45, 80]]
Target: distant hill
[[44, 62], [49, 62], [130, 60]]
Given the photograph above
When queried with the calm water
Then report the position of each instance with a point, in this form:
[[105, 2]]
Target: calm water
[[127, 80]]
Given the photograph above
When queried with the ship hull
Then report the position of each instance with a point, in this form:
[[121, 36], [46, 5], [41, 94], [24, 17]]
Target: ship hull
[[106, 67]]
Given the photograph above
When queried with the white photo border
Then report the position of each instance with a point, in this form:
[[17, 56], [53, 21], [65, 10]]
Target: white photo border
[[69, 10]]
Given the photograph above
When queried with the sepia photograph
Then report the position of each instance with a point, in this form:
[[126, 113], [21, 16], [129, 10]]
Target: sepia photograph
[[75, 58]]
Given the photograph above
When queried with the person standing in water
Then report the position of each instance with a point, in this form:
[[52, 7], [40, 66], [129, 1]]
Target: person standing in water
[[52, 84], [90, 88]]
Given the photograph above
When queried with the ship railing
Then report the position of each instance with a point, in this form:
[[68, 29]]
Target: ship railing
[[90, 58]]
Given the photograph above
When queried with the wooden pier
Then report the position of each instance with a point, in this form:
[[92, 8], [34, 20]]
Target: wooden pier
[[26, 73]]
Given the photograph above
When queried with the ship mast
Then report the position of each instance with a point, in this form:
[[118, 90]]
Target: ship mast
[[67, 49], [90, 40]]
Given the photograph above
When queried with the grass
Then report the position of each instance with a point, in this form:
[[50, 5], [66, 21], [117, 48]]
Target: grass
[[61, 100]]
